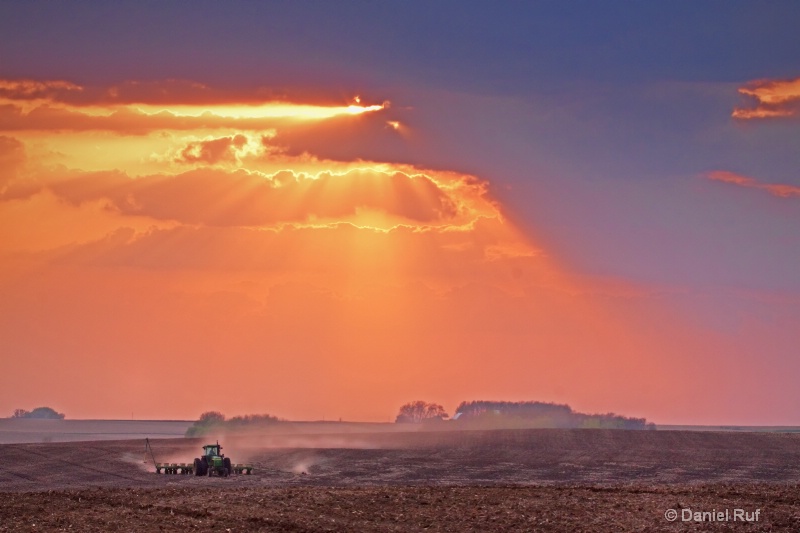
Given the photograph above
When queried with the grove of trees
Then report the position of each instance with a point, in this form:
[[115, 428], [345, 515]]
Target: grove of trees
[[216, 421], [40, 413], [542, 414], [420, 411], [498, 414]]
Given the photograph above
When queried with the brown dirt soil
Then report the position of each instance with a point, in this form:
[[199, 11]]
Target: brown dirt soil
[[426, 508], [509, 480]]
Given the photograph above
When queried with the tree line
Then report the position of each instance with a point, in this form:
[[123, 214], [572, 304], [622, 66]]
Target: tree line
[[46, 413], [522, 414], [216, 421]]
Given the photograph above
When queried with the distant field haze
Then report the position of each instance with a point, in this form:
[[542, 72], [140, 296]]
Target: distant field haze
[[287, 434]]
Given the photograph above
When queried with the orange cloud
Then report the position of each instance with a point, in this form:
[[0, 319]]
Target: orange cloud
[[139, 107], [133, 121], [212, 151], [12, 157], [773, 99], [180, 124], [157, 92], [780, 190], [217, 197], [25, 89]]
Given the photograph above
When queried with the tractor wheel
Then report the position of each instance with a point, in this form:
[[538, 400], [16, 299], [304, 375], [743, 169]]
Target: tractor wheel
[[226, 462], [226, 471], [198, 467]]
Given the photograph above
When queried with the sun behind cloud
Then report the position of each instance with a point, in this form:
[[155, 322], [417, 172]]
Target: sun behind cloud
[[158, 225]]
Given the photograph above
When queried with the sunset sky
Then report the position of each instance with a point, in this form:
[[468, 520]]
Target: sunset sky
[[327, 209]]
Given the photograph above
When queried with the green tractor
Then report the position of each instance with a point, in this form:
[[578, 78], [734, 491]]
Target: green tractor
[[212, 462]]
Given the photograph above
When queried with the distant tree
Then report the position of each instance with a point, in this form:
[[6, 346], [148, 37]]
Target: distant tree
[[558, 414], [419, 411], [39, 412], [211, 417], [207, 420], [214, 421]]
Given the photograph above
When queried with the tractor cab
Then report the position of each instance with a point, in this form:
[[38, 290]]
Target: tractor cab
[[212, 450]]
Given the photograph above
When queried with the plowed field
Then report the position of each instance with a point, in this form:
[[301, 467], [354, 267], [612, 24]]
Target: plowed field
[[509, 480]]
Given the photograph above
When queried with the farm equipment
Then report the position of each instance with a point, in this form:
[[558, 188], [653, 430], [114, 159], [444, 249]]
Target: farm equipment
[[174, 468], [211, 462]]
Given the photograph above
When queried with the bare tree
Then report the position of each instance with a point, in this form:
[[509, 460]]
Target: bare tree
[[419, 411]]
